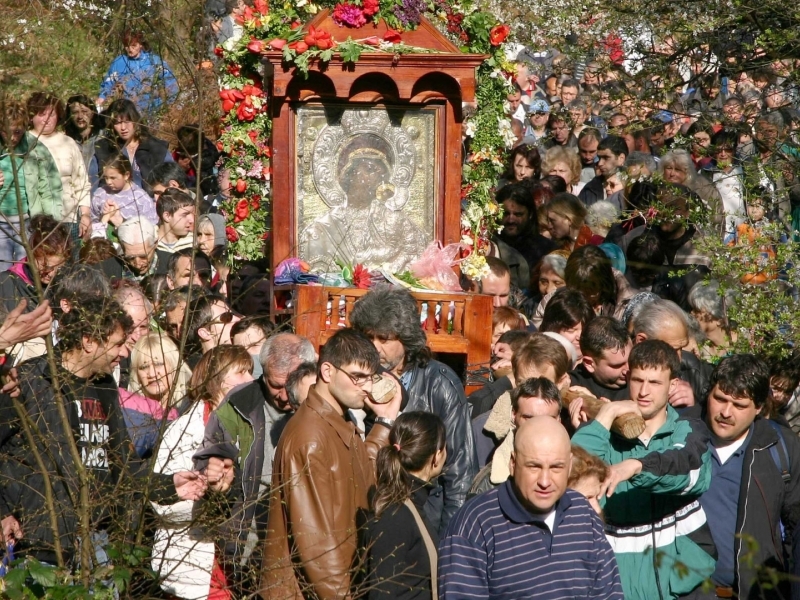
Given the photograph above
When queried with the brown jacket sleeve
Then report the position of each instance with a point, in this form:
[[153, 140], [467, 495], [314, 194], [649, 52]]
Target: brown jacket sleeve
[[378, 438], [321, 549]]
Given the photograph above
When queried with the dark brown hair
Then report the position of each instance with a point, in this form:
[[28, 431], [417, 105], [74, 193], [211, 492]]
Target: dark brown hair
[[413, 440], [41, 101], [540, 351], [49, 237], [207, 376]]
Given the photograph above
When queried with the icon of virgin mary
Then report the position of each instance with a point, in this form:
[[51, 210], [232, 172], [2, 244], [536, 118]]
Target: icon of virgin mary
[[367, 227]]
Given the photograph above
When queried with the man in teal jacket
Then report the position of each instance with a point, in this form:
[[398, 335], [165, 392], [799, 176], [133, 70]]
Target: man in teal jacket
[[655, 483]]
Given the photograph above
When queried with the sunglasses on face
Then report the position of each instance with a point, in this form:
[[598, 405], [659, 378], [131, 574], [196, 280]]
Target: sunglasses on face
[[224, 319]]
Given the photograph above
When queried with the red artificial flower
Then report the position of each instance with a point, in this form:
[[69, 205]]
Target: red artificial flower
[[232, 234], [392, 36], [230, 98], [317, 37], [299, 47], [370, 7], [234, 70], [220, 146], [261, 6], [246, 110], [252, 90], [218, 51], [277, 44], [498, 34], [362, 278], [255, 46], [296, 24], [241, 186], [255, 202], [242, 211], [253, 135], [371, 41]]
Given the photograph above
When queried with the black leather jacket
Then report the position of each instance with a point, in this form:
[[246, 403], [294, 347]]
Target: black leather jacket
[[435, 388]]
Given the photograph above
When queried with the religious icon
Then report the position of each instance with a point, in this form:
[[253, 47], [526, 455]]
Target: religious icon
[[366, 182]]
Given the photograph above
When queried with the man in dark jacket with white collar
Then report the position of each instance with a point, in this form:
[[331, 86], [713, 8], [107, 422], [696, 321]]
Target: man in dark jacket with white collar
[[755, 487], [391, 319]]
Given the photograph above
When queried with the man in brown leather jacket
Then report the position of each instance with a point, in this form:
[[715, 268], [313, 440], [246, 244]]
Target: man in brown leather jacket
[[321, 475]]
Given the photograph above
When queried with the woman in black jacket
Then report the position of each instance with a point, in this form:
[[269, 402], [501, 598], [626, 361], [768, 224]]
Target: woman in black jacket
[[125, 134], [401, 543]]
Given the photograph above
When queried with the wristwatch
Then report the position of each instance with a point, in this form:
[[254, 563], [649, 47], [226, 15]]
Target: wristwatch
[[384, 421]]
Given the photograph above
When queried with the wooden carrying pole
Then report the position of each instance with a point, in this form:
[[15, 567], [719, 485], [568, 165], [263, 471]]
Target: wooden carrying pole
[[629, 426]]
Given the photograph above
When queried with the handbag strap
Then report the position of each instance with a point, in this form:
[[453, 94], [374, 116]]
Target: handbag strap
[[433, 555]]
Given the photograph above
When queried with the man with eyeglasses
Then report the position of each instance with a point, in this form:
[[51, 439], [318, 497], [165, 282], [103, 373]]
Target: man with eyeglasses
[[538, 113], [322, 474], [140, 257], [209, 325]]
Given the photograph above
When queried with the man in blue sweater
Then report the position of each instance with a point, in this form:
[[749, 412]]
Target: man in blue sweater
[[530, 537]]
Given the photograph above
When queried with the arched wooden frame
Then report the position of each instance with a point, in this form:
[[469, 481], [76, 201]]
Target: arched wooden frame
[[442, 81]]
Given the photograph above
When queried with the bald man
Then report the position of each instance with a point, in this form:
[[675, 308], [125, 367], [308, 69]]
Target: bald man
[[530, 537]]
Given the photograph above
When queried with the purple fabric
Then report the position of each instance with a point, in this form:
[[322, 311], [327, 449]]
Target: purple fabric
[[132, 202]]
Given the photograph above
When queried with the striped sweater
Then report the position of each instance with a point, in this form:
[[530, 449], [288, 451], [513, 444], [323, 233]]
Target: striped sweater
[[494, 548]]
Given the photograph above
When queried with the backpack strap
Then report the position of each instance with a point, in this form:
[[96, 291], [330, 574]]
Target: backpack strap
[[433, 555], [780, 455]]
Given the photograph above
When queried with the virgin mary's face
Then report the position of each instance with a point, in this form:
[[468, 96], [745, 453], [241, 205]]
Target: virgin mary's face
[[362, 181]]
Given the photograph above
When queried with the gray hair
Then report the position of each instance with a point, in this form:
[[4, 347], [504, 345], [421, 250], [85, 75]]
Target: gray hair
[[680, 157], [282, 353], [644, 159], [654, 315], [130, 295], [602, 215], [706, 297], [556, 263], [137, 230], [774, 118]]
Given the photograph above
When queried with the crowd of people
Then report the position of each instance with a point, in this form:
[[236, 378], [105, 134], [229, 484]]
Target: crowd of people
[[621, 447]]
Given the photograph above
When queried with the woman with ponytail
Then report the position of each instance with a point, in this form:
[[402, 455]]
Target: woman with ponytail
[[402, 544]]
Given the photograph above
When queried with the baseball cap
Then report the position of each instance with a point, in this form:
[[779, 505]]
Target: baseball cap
[[538, 105]]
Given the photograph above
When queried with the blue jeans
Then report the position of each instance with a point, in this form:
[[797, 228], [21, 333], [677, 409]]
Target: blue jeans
[[11, 249]]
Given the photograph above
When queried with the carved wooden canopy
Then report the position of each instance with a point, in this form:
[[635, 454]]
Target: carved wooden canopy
[[444, 79]]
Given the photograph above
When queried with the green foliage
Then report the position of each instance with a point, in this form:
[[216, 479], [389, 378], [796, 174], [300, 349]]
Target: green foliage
[[28, 578], [44, 50]]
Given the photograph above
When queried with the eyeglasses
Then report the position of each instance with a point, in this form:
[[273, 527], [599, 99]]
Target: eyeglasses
[[359, 379], [130, 257], [224, 319]]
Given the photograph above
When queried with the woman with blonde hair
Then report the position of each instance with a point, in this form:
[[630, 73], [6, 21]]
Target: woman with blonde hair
[[565, 221], [565, 163], [157, 371]]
